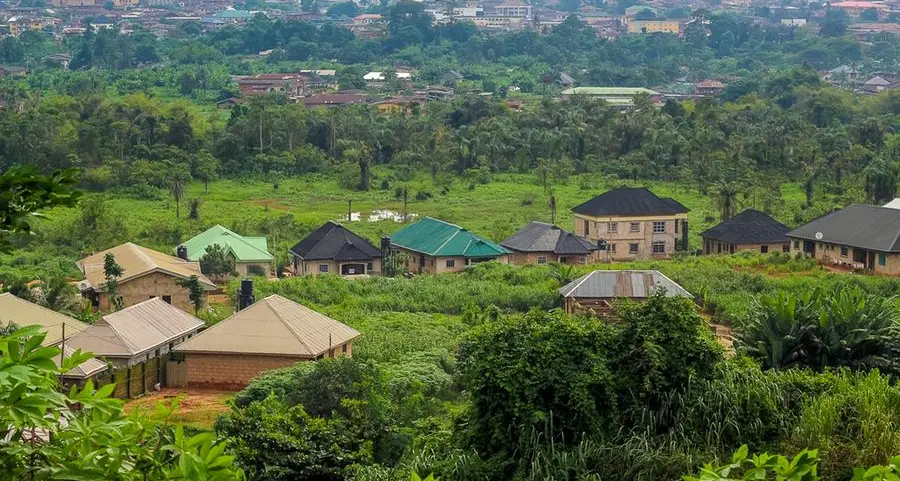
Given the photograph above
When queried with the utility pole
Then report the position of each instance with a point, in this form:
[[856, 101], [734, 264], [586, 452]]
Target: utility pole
[[62, 352], [349, 210], [329, 345]]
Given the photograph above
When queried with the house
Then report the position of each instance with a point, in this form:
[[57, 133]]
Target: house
[[406, 105], [598, 291], [60, 59], [654, 26], [855, 8], [750, 230], [709, 87], [379, 76], [565, 80], [228, 103], [452, 76], [332, 248], [290, 85], [251, 254], [633, 223], [434, 246], [136, 341], [272, 333], [878, 84], [148, 274], [366, 19], [335, 100], [509, 10], [793, 22], [618, 97], [540, 243], [841, 73], [57, 326], [859, 236]]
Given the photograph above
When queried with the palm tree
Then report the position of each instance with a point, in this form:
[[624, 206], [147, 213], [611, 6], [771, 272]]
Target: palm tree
[[727, 199]]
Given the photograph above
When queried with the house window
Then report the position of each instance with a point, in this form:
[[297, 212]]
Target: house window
[[796, 244], [587, 229], [676, 226], [156, 353], [612, 248], [786, 248], [542, 259], [659, 227], [632, 248], [882, 258], [368, 266], [613, 227], [323, 267], [450, 263], [764, 249], [844, 251], [344, 348], [635, 227], [582, 260], [658, 247], [167, 299]]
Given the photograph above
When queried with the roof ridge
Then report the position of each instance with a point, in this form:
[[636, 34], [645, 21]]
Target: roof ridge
[[128, 345], [444, 222], [287, 324], [448, 241], [322, 239], [582, 281], [76, 321]]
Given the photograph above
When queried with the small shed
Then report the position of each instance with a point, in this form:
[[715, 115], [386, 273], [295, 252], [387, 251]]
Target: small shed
[[272, 333], [597, 291]]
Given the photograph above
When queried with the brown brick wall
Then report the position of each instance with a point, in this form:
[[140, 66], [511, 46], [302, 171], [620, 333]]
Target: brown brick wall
[[157, 284], [236, 370]]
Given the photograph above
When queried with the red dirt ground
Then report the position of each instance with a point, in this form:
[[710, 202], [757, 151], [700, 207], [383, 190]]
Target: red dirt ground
[[197, 407]]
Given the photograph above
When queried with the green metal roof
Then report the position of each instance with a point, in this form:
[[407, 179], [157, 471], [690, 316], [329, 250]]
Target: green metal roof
[[442, 239], [610, 91], [244, 249]]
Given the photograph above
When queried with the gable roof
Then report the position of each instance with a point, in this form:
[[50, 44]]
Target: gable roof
[[877, 80], [274, 326], [334, 241], [749, 227], [442, 239], [857, 225], [543, 237], [24, 313], [244, 249], [631, 284], [630, 201], [84, 370], [138, 261], [136, 329]]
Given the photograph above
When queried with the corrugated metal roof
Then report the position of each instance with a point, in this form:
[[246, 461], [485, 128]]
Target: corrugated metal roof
[[273, 326], [24, 313], [438, 238], [136, 329], [84, 370], [631, 284], [244, 249], [857, 225], [138, 261]]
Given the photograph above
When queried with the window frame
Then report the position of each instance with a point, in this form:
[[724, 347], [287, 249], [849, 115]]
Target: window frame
[[612, 227], [634, 248], [845, 251], [764, 249], [541, 260], [323, 268], [450, 263], [661, 225], [634, 227], [658, 244]]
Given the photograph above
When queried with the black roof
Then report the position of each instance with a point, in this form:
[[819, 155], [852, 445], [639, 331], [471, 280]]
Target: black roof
[[749, 227], [857, 225], [630, 201], [334, 241], [542, 237]]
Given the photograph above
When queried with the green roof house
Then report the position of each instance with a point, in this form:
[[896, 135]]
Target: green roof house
[[435, 246], [251, 254]]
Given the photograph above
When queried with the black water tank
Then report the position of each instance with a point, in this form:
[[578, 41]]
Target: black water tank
[[245, 296], [181, 252]]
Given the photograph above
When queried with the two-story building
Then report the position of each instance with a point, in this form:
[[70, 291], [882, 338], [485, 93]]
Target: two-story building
[[632, 223], [290, 85]]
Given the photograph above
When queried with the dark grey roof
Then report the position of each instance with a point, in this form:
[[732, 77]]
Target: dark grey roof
[[857, 225], [630, 201], [749, 227], [542, 237], [334, 241], [631, 284]]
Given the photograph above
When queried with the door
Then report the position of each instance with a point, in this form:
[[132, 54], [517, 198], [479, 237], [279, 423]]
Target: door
[[353, 269], [809, 247]]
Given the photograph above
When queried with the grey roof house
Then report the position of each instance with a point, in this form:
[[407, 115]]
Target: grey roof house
[[749, 230], [338, 249], [540, 243], [859, 236], [596, 291]]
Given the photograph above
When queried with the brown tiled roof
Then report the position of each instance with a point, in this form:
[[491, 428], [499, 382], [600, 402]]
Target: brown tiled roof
[[274, 326], [138, 261]]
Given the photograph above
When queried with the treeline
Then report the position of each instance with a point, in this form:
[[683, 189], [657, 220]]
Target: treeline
[[786, 126]]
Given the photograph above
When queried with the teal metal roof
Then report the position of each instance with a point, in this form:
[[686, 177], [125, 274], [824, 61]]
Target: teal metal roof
[[244, 249], [442, 239]]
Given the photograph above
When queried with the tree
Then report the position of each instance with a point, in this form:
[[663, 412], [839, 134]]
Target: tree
[[205, 168], [834, 23], [120, 446], [177, 178], [195, 291], [217, 262], [869, 15], [112, 271], [24, 192], [727, 199]]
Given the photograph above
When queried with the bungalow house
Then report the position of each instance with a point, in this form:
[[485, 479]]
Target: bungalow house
[[540, 243], [290, 85], [136, 341], [251, 254], [633, 223], [858, 236], [617, 97], [750, 230], [272, 333], [24, 313], [597, 291], [147, 274], [332, 248], [433, 246]]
